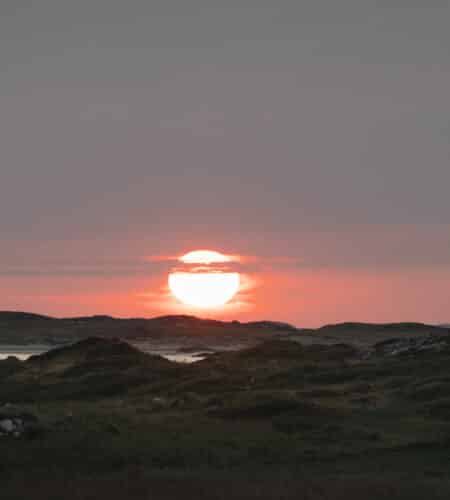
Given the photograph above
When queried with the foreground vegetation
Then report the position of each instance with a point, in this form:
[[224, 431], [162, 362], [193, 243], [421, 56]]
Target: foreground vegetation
[[279, 420]]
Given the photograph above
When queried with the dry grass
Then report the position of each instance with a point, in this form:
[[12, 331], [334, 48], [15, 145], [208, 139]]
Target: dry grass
[[336, 430], [136, 486]]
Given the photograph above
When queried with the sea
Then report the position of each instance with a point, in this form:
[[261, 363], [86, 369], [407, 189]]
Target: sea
[[24, 352]]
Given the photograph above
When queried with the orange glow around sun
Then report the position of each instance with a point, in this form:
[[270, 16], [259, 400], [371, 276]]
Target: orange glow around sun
[[204, 283]]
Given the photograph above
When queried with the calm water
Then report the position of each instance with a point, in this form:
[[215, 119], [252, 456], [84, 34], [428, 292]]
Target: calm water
[[21, 352], [24, 352]]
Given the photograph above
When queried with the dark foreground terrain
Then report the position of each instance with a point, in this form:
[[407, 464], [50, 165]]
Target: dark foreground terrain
[[101, 420]]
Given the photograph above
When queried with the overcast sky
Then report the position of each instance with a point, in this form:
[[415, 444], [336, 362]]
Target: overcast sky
[[312, 135]]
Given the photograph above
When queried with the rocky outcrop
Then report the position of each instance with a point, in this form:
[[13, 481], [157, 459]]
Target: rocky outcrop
[[412, 346], [17, 423]]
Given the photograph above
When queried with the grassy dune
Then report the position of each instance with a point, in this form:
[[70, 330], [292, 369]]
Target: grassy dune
[[278, 420]]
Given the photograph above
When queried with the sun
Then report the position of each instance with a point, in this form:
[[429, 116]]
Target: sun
[[205, 281], [204, 289]]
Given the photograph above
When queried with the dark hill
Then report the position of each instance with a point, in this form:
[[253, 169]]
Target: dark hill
[[364, 334], [91, 368], [97, 317], [21, 316], [95, 351], [186, 331], [24, 328]]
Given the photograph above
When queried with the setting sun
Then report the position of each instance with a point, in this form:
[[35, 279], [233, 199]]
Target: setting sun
[[207, 284]]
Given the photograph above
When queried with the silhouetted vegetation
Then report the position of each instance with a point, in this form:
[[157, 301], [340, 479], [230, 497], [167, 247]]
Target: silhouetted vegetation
[[332, 421]]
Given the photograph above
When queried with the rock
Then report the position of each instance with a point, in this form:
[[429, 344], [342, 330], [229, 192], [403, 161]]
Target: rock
[[16, 422], [7, 425], [411, 345]]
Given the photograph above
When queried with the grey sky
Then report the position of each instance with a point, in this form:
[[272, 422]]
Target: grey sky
[[153, 124]]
